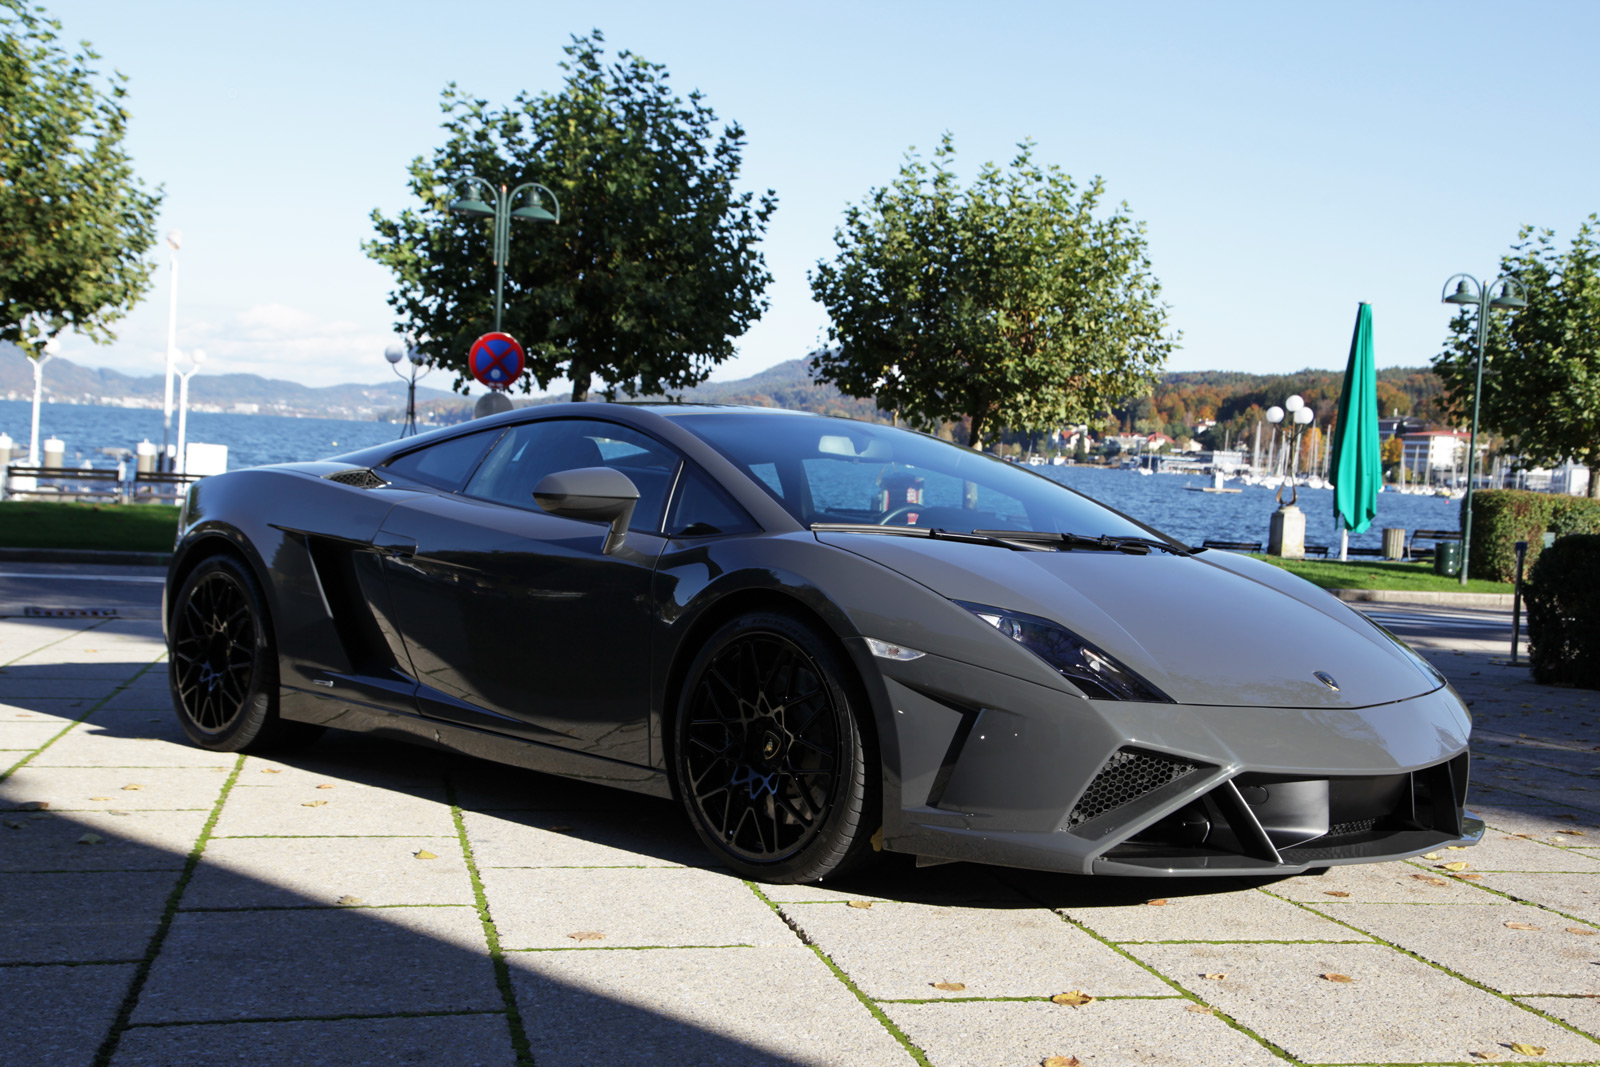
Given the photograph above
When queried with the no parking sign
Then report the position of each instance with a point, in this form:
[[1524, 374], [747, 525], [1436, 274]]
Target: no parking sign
[[496, 360]]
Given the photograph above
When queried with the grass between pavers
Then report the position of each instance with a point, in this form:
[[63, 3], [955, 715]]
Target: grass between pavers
[[106, 527], [1381, 575]]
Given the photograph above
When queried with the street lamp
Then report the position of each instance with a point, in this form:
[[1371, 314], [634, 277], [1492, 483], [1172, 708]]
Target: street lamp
[[175, 240], [497, 206], [1469, 292], [46, 352], [408, 352], [1300, 417], [197, 357]]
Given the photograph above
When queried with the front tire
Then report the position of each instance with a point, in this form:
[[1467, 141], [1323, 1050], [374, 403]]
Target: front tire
[[222, 666], [769, 756]]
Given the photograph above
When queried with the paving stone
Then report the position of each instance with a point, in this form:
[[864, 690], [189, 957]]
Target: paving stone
[[76, 788], [63, 918], [344, 961], [59, 1015], [137, 841], [656, 836], [52, 664], [1541, 820], [541, 907], [42, 711], [1504, 852], [158, 723], [307, 774], [288, 872], [776, 1006], [895, 878], [1390, 883], [898, 951], [1474, 941], [484, 786], [464, 1040], [22, 736], [1276, 991], [360, 810], [1582, 1012], [1574, 894], [1107, 1033], [90, 745], [1239, 916], [17, 686]]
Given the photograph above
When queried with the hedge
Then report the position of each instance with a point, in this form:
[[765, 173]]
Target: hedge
[[1563, 595], [1502, 517]]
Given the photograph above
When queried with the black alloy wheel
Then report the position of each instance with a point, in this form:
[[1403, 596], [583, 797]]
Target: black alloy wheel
[[221, 664], [770, 759]]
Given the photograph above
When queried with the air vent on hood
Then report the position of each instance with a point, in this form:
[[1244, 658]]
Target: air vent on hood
[[360, 477]]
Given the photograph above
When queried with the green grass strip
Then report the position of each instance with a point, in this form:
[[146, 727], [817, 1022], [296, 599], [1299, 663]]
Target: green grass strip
[[125, 1012], [1401, 577], [491, 935], [115, 527], [866, 1001]]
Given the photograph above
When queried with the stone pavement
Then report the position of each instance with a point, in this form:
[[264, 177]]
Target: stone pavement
[[363, 902]]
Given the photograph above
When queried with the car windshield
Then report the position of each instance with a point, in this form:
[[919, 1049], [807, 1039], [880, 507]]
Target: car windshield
[[826, 470]]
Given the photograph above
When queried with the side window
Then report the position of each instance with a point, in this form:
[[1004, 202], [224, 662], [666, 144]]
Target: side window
[[701, 509], [445, 465], [532, 450], [768, 474]]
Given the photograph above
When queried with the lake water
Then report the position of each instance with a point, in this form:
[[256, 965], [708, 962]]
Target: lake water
[[1161, 500]]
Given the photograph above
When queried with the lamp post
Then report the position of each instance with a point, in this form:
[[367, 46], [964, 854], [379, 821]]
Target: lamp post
[[175, 240], [407, 351], [1287, 532], [46, 353], [498, 207], [1469, 292], [197, 357]]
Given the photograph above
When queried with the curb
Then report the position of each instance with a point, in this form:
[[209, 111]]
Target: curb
[[1401, 596], [88, 556]]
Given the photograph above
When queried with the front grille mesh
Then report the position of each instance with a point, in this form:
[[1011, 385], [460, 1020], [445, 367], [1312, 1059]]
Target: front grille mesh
[[360, 477], [1128, 775]]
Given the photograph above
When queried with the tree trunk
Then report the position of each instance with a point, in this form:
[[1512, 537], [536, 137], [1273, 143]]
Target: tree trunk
[[580, 384], [975, 431]]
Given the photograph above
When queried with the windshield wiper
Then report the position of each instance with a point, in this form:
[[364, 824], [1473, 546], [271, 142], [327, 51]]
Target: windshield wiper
[[976, 537], [1138, 546]]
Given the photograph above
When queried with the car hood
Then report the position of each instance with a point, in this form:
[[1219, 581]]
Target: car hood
[[1202, 631]]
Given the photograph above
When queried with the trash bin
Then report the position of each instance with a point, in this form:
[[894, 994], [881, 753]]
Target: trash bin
[[1394, 542], [1447, 559]]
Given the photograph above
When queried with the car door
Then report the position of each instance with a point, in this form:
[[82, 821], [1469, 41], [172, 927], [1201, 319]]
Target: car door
[[515, 620]]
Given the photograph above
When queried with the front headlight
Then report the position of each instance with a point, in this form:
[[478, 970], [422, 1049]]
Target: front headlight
[[1086, 666]]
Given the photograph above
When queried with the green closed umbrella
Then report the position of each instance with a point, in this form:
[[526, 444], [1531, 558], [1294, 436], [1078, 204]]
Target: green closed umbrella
[[1357, 465]]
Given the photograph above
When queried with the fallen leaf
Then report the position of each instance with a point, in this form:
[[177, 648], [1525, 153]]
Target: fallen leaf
[[314, 804], [1455, 848], [1200, 1009], [1332, 977], [1157, 902], [863, 904], [348, 899], [949, 987], [1060, 1061], [114, 811], [1492, 1057], [587, 935], [132, 787], [1216, 976], [1432, 856], [424, 854], [324, 785], [1527, 1050], [1077, 998], [16, 824], [90, 839], [1573, 833], [99, 798], [1470, 877], [1453, 866], [1582, 931], [877, 840], [34, 805], [1334, 893], [1520, 926], [1568, 816], [271, 770], [1430, 879]]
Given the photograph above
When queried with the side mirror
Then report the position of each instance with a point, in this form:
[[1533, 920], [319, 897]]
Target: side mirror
[[594, 494]]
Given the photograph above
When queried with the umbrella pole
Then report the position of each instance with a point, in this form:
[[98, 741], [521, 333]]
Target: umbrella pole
[[1344, 543]]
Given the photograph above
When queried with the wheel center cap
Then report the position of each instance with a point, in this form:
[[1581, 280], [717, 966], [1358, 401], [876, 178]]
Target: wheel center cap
[[769, 745]]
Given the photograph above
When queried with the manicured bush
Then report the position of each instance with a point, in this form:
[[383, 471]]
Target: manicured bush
[[1502, 517], [1563, 597]]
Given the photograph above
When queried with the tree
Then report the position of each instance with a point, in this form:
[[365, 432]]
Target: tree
[[1541, 384], [654, 267], [1016, 302], [75, 222]]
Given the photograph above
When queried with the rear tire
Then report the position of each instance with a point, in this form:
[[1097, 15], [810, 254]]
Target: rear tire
[[769, 757], [222, 664]]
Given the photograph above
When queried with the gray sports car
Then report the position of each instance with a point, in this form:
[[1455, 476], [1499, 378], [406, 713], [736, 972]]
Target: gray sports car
[[824, 637]]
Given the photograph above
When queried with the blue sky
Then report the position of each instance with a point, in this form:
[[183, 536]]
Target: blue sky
[[1289, 160]]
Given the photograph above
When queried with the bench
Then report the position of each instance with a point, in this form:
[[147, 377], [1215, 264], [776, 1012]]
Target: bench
[[1428, 535], [66, 483], [1233, 546], [162, 485], [1317, 550], [1352, 551]]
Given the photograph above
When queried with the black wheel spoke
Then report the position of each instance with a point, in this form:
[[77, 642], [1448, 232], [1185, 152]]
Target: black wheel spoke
[[214, 651]]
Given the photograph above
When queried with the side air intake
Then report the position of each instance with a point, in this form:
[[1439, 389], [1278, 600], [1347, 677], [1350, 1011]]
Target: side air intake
[[360, 477], [1128, 775]]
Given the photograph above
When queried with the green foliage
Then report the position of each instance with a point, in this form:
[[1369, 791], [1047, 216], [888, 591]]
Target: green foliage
[[1396, 577], [75, 222], [1502, 517], [1563, 598], [1542, 372], [654, 268], [1017, 302]]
